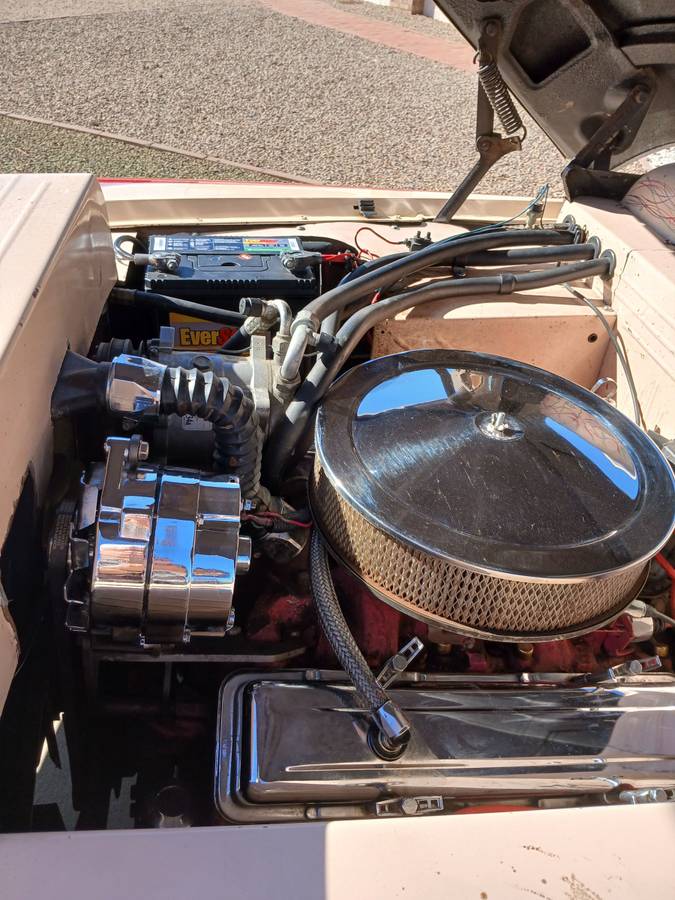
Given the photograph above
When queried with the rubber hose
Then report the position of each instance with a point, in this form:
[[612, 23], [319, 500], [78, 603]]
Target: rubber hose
[[177, 305], [237, 341], [435, 254], [516, 256], [487, 257], [528, 255], [289, 432], [237, 435], [504, 284], [330, 325], [372, 264], [334, 625]]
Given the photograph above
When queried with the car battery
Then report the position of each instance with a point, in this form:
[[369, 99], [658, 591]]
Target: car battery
[[221, 269]]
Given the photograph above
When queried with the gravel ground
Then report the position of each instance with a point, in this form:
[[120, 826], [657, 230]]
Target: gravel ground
[[245, 83], [28, 147], [20, 10]]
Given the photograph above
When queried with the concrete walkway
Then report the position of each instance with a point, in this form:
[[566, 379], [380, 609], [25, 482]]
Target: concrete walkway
[[450, 52]]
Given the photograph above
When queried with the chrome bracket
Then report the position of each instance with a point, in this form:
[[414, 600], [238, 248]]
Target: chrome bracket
[[399, 662], [643, 795], [409, 806], [631, 668], [610, 392]]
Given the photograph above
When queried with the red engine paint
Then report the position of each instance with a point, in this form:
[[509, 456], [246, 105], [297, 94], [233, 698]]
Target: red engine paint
[[554, 656], [376, 627], [276, 618], [380, 630], [585, 654], [670, 572]]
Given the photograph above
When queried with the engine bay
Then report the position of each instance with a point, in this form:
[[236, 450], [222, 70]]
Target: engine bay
[[367, 519]]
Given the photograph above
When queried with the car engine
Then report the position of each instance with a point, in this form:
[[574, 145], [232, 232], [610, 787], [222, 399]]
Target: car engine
[[424, 586]]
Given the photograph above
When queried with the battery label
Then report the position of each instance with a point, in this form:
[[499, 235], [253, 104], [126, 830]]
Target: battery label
[[196, 334], [206, 243]]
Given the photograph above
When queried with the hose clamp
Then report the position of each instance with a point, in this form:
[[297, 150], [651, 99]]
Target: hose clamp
[[508, 283]]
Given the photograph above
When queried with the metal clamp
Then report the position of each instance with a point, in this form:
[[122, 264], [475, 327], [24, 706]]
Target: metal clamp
[[644, 795], [632, 667], [611, 389], [590, 172], [399, 662], [409, 806]]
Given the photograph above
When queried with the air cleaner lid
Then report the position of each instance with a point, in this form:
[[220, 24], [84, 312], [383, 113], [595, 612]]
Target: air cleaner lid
[[495, 465]]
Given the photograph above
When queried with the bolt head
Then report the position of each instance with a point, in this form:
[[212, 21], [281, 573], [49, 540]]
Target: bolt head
[[143, 450], [640, 93], [399, 662]]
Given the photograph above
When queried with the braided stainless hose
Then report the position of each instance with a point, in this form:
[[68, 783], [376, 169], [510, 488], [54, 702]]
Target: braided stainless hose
[[388, 718]]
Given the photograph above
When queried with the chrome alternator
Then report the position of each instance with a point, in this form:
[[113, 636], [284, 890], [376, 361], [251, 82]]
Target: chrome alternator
[[155, 550]]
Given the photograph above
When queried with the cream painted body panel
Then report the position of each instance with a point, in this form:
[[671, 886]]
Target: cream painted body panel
[[596, 853], [642, 295], [56, 270], [131, 204]]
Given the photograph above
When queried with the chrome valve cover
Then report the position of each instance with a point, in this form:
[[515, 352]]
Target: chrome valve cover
[[292, 745], [167, 547]]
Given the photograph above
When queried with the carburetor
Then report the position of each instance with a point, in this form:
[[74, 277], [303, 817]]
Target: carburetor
[[156, 550]]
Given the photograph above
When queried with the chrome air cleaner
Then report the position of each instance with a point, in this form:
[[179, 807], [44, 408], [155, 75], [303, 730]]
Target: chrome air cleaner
[[487, 496]]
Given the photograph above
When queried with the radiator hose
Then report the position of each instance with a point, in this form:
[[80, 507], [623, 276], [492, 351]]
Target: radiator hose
[[389, 720]]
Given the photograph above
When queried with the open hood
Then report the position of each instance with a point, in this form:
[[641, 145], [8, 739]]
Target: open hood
[[571, 63]]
